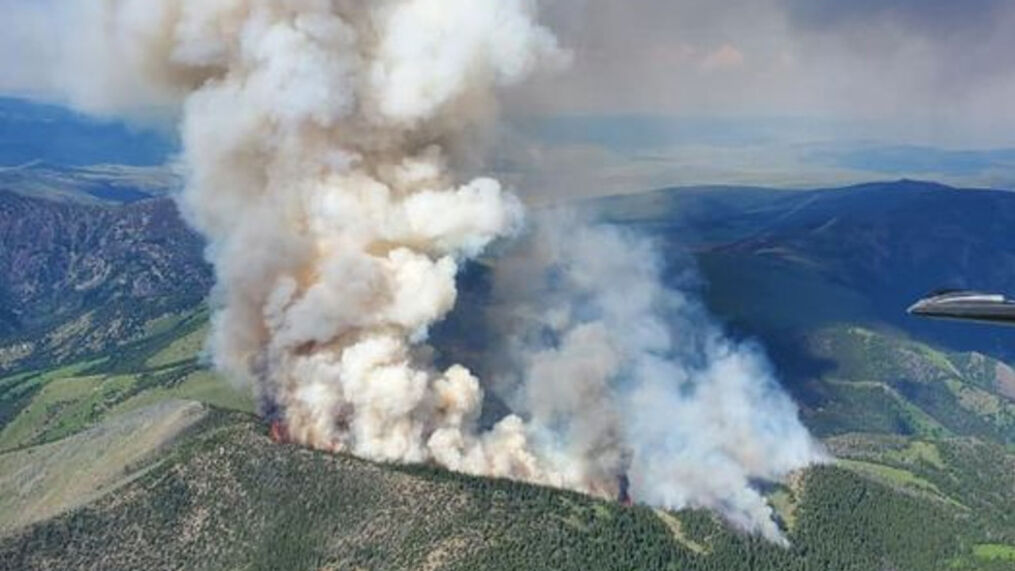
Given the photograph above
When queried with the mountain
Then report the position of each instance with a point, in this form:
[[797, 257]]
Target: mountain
[[865, 253], [78, 279], [102, 305]]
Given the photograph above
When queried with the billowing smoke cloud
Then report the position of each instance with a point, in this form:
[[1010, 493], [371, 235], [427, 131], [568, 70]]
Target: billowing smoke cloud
[[632, 376], [320, 138]]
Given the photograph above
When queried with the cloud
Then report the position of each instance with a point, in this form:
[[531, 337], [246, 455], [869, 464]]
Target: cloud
[[726, 57], [24, 57], [54, 50], [950, 42], [943, 67], [938, 17]]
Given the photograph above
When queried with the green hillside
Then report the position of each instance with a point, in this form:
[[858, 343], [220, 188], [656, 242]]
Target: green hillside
[[228, 498], [40, 482], [883, 382]]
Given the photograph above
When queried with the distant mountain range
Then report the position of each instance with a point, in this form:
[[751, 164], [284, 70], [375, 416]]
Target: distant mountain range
[[862, 254], [96, 184]]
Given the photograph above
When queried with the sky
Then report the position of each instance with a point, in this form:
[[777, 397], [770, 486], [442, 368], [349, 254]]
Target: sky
[[945, 63], [779, 92]]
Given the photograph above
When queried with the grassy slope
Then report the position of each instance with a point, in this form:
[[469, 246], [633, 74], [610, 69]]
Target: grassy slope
[[885, 383], [41, 482], [45, 406]]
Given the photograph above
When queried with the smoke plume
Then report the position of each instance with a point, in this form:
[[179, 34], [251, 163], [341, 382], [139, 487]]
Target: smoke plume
[[319, 144], [653, 388]]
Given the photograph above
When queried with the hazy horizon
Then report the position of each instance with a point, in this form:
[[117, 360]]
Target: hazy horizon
[[787, 93]]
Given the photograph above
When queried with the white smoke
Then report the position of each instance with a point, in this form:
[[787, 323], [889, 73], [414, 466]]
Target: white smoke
[[319, 142], [631, 376]]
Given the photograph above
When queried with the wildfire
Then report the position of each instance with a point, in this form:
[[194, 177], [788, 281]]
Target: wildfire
[[279, 432]]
